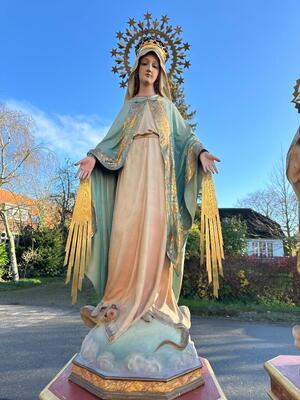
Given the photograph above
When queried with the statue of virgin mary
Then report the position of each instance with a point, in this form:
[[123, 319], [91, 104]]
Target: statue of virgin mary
[[145, 184], [143, 178]]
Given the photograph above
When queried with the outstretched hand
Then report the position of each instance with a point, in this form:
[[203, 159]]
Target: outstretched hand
[[208, 162], [86, 166]]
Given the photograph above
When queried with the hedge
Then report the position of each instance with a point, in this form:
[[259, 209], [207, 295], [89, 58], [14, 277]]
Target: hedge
[[246, 278]]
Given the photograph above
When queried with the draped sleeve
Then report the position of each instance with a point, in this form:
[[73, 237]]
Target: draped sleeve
[[188, 166]]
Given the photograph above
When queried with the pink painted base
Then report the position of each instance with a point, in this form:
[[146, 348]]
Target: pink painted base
[[284, 372]]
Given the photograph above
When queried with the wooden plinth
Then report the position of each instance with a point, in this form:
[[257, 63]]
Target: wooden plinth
[[284, 372], [61, 388]]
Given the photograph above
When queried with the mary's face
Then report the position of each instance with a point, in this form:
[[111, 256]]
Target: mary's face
[[149, 69]]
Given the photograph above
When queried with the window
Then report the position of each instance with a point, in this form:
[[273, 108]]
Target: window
[[255, 249], [270, 249], [263, 249], [35, 219], [3, 237], [17, 213]]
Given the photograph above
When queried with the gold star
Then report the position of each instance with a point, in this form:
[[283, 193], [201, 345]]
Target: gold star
[[114, 70], [155, 23], [119, 35], [131, 21], [186, 46], [187, 64], [178, 29], [113, 52], [165, 19], [148, 15]]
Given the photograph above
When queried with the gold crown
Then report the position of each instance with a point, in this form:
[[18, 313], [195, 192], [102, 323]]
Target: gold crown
[[151, 45], [150, 41]]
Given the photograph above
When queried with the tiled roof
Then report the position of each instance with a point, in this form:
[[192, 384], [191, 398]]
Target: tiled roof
[[18, 200], [8, 197], [258, 225]]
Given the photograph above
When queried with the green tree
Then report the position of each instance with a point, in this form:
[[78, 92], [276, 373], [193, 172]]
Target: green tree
[[234, 235], [3, 260], [42, 254], [178, 97], [193, 243], [51, 251]]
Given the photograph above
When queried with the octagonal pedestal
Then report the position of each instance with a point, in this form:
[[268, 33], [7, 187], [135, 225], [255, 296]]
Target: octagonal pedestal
[[61, 388], [106, 387]]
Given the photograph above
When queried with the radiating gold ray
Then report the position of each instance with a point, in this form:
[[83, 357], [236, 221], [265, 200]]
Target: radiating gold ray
[[69, 240], [211, 233], [202, 244], [208, 256], [76, 266], [79, 242], [72, 252], [82, 256]]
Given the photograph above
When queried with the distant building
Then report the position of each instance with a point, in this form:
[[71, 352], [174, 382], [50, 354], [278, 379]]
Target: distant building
[[265, 236], [22, 211]]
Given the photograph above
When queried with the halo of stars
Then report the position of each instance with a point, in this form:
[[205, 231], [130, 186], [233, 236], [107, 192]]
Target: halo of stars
[[296, 95], [162, 32]]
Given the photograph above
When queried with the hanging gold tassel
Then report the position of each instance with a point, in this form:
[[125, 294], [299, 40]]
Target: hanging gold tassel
[[211, 240], [79, 241]]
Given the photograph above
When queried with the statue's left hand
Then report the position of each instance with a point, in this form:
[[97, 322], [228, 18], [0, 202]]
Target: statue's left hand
[[208, 162]]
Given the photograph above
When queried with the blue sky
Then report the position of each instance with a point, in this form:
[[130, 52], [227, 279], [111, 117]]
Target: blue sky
[[56, 65]]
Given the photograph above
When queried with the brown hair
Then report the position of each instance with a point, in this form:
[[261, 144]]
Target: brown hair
[[137, 79]]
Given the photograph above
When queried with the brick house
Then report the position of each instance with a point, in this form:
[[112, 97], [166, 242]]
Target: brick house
[[22, 211]]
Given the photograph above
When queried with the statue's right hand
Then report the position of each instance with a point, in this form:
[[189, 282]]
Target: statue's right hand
[[86, 166]]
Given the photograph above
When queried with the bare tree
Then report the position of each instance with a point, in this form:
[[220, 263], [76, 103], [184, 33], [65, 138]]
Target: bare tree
[[18, 151], [64, 192], [277, 201], [285, 203], [261, 201], [11, 244], [39, 184]]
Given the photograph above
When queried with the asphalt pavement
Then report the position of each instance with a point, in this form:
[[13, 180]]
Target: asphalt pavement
[[36, 342]]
